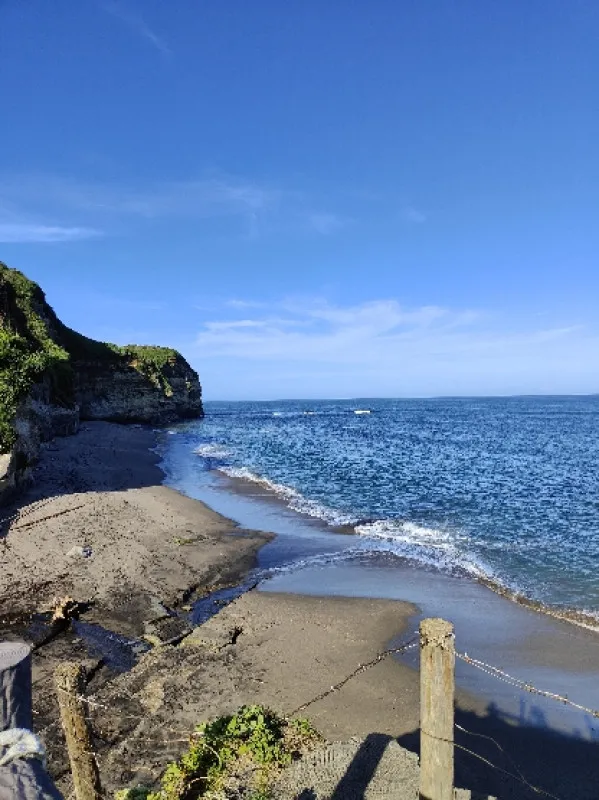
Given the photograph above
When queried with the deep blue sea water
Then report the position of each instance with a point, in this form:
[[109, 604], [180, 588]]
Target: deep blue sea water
[[501, 488]]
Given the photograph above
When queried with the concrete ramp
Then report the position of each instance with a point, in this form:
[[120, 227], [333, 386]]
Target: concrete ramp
[[360, 769]]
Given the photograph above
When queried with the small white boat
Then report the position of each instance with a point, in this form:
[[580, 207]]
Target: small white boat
[[361, 411]]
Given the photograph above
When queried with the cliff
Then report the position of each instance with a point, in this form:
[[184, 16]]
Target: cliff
[[52, 376]]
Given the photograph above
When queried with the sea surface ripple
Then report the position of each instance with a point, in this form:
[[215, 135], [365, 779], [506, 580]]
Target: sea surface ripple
[[500, 488]]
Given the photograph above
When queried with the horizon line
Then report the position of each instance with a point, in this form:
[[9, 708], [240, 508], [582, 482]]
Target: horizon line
[[406, 397]]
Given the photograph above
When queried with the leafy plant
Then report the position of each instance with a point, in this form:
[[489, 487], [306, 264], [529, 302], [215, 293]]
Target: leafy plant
[[233, 755], [28, 352]]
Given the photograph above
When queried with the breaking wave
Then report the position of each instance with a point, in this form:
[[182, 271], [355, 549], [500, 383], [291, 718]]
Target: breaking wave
[[294, 499], [212, 451], [441, 549]]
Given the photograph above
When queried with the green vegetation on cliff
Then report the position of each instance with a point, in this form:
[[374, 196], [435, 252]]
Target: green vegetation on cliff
[[149, 361], [37, 349], [28, 352]]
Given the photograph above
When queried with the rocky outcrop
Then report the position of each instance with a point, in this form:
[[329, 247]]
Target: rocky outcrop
[[120, 393], [35, 422], [52, 376]]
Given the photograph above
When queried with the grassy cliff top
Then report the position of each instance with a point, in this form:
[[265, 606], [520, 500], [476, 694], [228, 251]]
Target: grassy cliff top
[[35, 345]]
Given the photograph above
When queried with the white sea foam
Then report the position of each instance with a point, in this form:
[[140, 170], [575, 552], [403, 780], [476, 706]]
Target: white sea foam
[[294, 499], [397, 530], [433, 547], [319, 560], [443, 550], [212, 451], [295, 413]]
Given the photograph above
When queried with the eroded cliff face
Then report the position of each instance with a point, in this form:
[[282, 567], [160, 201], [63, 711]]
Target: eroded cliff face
[[121, 393], [52, 376], [36, 421]]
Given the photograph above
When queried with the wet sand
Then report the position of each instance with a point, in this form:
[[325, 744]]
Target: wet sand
[[151, 548], [552, 744]]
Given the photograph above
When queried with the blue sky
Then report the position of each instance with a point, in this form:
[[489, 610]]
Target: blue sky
[[313, 199]]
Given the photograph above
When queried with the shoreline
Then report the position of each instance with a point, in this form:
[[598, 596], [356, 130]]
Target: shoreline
[[309, 559], [262, 488]]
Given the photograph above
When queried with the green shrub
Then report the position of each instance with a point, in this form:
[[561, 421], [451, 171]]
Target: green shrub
[[239, 751], [27, 351]]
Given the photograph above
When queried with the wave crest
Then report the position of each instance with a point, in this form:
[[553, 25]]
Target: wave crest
[[294, 499], [443, 550], [212, 451]]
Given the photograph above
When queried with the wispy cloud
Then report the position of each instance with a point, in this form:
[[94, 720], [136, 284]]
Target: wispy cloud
[[317, 330], [200, 198], [26, 233], [413, 215], [237, 303], [137, 25], [326, 223], [257, 207], [382, 348]]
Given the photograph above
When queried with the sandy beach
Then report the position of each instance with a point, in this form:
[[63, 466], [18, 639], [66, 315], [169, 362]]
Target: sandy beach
[[98, 526]]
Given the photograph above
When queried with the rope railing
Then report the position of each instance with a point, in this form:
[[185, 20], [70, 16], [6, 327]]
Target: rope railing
[[436, 658], [525, 686], [357, 671]]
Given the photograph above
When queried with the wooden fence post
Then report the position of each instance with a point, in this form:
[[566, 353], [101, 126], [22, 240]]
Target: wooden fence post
[[437, 669], [69, 680], [15, 686]]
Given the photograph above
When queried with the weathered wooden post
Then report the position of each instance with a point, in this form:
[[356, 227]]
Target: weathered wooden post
[[69, 680], [437, 671], [20, 777]]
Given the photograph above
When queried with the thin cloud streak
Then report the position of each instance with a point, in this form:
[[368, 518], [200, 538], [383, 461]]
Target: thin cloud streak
[[137, 25], [192, 199], [24, 233], [237, 303], [261, 207]]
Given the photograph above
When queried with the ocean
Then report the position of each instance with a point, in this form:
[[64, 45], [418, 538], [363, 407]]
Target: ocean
[[500, 489]]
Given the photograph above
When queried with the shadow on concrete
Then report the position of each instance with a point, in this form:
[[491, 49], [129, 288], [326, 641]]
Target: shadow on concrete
[[362, 768]]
